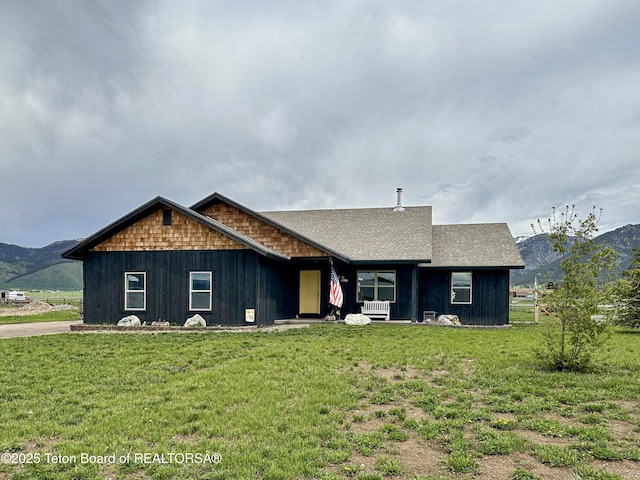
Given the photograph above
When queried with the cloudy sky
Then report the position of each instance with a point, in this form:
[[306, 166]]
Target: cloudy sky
[[488, 110]]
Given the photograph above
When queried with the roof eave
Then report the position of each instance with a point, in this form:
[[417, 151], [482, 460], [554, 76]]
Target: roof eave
[[471, 267], [76, 252], [389, 262]]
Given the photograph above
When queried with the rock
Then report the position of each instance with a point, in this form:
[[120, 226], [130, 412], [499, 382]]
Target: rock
[[129, 321], [449, 320], [195, 321], [357, 319], [160, 323]]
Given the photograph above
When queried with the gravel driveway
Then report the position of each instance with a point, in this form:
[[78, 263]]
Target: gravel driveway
[[32, 329]]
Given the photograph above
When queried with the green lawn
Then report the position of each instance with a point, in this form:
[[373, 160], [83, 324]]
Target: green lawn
[[58, 316], [521, 312], [328, 402]]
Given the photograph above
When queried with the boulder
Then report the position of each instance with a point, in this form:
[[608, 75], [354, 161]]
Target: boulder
[[129, 321], [449, 320], [195, 321], [356, 319]]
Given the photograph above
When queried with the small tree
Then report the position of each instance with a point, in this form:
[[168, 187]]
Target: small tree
[[578, 328], [628, 294]]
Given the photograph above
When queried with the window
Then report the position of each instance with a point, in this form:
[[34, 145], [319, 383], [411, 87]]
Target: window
[[135, 291], [376, 285], [200, 291], [461, 287], [166, 216]]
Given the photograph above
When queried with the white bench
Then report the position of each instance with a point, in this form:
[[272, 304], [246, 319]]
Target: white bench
[[376, 308]]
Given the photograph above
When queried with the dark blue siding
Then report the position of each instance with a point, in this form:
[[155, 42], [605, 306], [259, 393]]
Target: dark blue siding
[[401, 309], [490, 296], [241, 279], [244, 279]]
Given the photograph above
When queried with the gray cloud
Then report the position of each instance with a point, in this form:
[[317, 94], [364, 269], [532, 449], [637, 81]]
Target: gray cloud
[[489, 111], [509, 134]]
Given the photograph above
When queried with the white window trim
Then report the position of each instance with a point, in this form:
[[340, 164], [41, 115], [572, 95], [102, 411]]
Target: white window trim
[[375, 286], [191, 291], [143, 291], [470, 288]]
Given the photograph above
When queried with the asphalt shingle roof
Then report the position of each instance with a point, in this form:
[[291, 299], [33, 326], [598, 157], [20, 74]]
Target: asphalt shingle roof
[[474, 245], [367, 234], [358, 235]]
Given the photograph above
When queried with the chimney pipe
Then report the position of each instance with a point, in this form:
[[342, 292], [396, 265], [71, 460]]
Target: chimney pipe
[[399, 207]]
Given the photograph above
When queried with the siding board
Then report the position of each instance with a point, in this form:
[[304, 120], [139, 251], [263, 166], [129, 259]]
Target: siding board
[[241, 279], [402, 308], [244, 279], [490, 296]]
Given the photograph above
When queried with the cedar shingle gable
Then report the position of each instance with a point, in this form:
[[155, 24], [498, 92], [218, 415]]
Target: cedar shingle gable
[[262, 232], [150, 234], [138, 230]]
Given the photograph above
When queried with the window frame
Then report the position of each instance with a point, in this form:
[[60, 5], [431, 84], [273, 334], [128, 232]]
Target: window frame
[[376, 286], [192, 291], [128, 291], [454, 288]]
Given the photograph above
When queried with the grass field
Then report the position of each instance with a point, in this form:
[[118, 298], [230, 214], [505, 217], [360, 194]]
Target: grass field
[[328, 402], [73, 298], [520, 311], [60, 316]]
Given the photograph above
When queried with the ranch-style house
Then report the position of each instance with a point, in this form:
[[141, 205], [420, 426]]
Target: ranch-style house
[[235, 266]]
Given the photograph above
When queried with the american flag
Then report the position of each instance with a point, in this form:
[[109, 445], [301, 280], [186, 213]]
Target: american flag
[[335, 292]]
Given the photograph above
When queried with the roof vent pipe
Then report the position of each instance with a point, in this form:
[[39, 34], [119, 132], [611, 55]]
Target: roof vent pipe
[[399, 207]]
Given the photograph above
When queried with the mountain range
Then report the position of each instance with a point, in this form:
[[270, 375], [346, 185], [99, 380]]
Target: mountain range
[[543, 263], [44, 269], [39, 268]]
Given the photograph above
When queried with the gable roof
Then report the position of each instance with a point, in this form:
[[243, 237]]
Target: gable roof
[[77, 251], [474, 245], [367, 234], [300, 235]]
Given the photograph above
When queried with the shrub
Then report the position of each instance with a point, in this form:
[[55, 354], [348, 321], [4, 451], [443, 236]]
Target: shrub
[[575, 333]]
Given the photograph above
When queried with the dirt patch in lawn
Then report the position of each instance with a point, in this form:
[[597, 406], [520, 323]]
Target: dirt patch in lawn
[[33, 308], [423, 438]]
